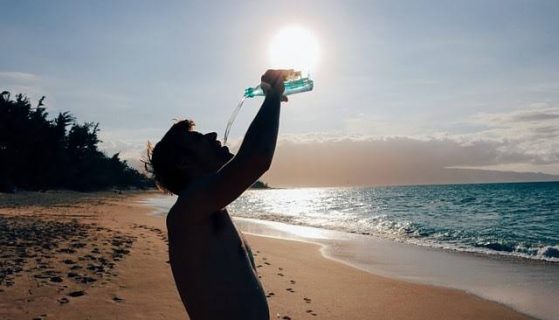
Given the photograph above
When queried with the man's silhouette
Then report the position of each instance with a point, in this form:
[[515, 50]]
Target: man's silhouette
[[211, 262]]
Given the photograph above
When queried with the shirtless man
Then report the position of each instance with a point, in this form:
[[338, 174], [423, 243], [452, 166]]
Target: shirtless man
[[211, 262]]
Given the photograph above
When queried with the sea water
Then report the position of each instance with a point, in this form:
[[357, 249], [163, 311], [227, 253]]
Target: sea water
[[514, 219]]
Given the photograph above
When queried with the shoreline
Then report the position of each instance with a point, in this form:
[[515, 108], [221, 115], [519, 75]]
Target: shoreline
[[299, 281], [489, 278], [346, 292]]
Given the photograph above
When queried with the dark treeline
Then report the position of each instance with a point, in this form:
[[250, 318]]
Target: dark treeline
[[37, 153], [260, 185]]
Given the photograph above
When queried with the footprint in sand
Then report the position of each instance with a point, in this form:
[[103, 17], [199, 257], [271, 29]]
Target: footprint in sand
[[314, 314], [76, 294], [87, 280], [63, 300]]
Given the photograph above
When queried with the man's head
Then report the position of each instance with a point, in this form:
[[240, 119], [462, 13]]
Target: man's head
[[184, 155]]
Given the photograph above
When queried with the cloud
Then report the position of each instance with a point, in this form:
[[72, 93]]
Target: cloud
[[524, 139], [130, 144], [532, 131], [29, 84], [518, 140], [131, 151], [534, 114], [387, 161], [17, 77]]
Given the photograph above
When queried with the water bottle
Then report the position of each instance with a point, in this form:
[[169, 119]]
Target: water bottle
[[293, 84]]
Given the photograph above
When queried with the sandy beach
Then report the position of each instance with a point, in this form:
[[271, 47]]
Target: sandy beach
[[71, 255]]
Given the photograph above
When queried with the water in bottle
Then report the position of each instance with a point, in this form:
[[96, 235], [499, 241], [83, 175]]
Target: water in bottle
[[293, 84]]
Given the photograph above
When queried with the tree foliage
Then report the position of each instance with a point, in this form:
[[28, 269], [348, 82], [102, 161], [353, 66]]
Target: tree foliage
[[38, 153]]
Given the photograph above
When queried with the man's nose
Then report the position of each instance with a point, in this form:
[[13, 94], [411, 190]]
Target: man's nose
[[212, 136]]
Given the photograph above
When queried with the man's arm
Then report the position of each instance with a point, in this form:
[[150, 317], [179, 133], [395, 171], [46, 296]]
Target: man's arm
[[254, 158]]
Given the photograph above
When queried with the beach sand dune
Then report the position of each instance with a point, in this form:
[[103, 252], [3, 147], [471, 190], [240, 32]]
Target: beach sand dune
[[67, 255]]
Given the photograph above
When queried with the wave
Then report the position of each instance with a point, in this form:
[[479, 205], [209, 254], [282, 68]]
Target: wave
[[413, 233]]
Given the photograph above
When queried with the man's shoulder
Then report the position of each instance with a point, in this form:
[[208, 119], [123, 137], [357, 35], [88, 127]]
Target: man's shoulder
[[190, 205], [181, 209]]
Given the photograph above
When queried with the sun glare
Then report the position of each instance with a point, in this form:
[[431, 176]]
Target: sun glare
[[294, 48]]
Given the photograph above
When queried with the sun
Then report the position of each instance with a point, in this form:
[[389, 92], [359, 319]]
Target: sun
[[294, 48]]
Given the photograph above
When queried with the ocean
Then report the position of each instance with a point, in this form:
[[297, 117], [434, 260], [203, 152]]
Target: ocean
[[515, 219], [498, 241]]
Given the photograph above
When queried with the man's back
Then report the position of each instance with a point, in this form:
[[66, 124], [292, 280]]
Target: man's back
[[217, 278]]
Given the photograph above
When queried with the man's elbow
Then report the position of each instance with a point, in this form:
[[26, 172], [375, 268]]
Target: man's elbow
[[261, 164]]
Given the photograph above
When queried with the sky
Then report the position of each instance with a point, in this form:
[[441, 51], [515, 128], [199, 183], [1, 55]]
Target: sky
[[405, 91]]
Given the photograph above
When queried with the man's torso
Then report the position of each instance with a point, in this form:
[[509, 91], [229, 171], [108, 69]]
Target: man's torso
[[215, 263]]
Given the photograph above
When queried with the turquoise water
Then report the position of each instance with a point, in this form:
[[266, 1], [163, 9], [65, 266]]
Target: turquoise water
[[515, 219]]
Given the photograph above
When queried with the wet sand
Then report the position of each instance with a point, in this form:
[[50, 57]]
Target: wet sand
[[71, 255]]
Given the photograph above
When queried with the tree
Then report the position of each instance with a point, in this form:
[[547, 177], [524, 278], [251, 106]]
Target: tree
[[37, 153]]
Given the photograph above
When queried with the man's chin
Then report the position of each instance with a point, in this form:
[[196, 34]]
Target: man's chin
[[225, 155], [229, 156]]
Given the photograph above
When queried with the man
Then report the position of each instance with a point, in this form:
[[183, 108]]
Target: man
[[211, 262]]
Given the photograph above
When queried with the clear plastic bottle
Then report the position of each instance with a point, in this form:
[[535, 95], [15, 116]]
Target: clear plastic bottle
[[294, 84]]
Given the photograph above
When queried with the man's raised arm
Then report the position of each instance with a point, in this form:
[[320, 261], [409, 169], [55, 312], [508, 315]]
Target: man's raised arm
[[254, 158]]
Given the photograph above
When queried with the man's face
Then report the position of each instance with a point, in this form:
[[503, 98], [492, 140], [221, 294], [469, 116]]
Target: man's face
[[207, 152]]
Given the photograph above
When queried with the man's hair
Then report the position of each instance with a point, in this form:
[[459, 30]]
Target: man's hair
[[163, 160]]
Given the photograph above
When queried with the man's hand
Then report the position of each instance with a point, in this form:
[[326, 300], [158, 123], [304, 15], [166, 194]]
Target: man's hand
[[272, 82]]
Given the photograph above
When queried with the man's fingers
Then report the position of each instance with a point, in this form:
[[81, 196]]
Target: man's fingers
[[272, 76], [274, 79]]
